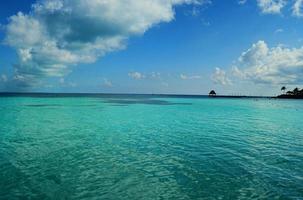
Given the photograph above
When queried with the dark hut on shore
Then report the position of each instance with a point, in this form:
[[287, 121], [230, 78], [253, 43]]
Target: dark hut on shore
[[212, 93]]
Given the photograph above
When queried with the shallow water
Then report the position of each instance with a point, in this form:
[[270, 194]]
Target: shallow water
[[150, 147]]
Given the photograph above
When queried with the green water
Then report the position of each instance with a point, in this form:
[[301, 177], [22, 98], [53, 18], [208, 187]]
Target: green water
[[147, 147]]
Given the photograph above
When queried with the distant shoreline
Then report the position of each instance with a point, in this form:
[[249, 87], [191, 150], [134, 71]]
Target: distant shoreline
[[239, 97], [291, 94], [284, 96]]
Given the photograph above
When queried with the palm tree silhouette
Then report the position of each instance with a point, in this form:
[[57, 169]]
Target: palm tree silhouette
[[296, 91]]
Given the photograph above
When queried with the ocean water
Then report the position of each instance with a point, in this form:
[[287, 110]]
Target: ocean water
[[150, 147]]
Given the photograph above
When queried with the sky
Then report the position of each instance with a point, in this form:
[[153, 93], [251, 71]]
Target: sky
[[236, 47]]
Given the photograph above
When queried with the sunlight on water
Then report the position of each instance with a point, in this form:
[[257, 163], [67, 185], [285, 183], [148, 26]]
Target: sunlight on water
[[150, 148]]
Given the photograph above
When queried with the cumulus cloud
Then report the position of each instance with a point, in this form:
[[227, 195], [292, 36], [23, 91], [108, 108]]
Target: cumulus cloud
[[271, 6], [107, 83], [277, 65], [242, 2], [279, 30], [220, 77], [136, 75], [155, 75], [297, 8], [150, 76], [276, 6], [185, 77], [59, 34]]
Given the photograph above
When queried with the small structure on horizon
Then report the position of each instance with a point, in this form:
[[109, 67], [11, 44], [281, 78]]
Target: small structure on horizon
[[212, 93]]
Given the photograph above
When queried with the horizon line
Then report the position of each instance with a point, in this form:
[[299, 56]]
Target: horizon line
[[159, 94]]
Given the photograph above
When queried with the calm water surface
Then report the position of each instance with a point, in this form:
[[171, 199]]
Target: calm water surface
[[149, 147]]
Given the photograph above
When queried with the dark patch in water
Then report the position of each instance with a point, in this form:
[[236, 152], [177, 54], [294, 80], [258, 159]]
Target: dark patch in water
[[57, 105], [143, 101], [42, 105]]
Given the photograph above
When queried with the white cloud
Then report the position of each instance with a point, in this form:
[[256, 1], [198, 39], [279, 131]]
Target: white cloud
[[242, 2], [150, 76], [185, 77], [279, 30], [277, 65], [297, 8], [271, 6], [107, 83], [220, 77], [155, 75], [3, 78], [59, 34], [276, 6], [136, 75]]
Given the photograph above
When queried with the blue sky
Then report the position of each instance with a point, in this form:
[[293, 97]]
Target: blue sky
[[248, 47]]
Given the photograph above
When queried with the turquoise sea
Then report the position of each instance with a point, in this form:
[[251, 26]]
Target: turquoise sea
[[150, 147]]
